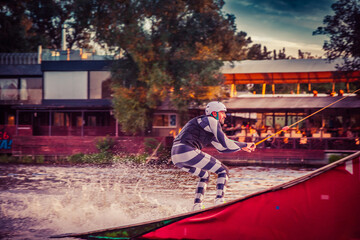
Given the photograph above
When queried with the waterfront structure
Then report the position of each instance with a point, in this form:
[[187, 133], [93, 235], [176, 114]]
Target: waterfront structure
[[67, 93]]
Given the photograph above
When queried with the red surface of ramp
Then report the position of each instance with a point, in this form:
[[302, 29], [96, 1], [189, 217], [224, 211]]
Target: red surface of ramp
[[324, 204]]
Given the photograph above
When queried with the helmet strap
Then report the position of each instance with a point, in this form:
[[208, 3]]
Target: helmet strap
[[216, 117]]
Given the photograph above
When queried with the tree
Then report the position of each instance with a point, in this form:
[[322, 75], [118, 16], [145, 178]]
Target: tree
[[238, 47], [25, 24], [13, 27], [168, 49], [343, 29], [255, 53]]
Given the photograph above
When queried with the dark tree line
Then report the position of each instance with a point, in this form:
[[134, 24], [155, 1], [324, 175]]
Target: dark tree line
[[168, 50]]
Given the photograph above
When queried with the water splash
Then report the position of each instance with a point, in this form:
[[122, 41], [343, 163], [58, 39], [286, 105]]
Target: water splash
[[39, 201]]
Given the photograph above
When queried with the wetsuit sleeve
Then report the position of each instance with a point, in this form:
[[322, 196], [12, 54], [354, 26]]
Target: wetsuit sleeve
[[221, 142]]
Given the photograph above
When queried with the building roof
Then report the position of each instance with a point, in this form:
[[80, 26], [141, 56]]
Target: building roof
[[20, 70], [77, 65], [289, 103], [286, 71], [280, 66], [88, 104]]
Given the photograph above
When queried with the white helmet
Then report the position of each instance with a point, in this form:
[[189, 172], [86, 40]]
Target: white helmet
[[214, 106]]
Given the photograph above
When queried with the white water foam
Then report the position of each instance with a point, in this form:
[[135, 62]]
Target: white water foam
[[41, 201]]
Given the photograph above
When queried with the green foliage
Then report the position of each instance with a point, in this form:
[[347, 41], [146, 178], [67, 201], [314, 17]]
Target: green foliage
[[4, 158], [26, 159], [130, 158], [76, 158], [105, 144], [39, 159], [170, 49], [344, 32], [256, 53], [150, 144], [335, 157], [107, 158], [163, 154], [130, 109], [26, 24], [97, 158]]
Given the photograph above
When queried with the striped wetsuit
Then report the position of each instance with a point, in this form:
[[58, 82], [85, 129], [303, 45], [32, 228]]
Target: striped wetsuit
[[186, 152]]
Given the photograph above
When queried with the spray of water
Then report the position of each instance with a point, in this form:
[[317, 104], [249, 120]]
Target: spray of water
[[89, 198], [36, 202]]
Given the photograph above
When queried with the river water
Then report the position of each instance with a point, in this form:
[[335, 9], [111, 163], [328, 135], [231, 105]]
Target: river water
[[39, 201]]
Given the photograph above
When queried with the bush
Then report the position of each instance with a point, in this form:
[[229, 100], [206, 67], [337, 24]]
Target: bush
[[163, 154], [335, 157], [105, 144], [150, 144], [4, 158], [76, 158], [98, 158], [39, 159], [26, 159]]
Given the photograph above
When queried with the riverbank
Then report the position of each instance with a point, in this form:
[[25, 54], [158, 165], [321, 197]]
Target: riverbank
[[104, 150]]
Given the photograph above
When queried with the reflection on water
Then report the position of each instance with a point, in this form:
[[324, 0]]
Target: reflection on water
[[39, 201]]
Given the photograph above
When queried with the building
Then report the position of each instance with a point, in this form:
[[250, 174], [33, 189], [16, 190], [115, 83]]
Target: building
[[67, 93]]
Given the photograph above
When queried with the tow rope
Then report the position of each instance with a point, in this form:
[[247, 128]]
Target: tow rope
[[308, 116]]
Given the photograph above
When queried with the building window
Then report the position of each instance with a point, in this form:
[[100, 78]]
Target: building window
[[62, 119], [91, 121], [66, 85], [164, 120], [79, 121], [9, 89], [11, 120], [100, 85], [31, 89]]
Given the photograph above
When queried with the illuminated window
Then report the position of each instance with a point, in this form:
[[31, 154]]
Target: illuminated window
[[164, 120], [61, 119], [79, 121], [11, 120]]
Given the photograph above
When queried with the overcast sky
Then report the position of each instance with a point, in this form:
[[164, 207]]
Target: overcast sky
[[282, 23]]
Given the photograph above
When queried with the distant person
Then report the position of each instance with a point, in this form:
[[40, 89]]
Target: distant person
[[186, 151]]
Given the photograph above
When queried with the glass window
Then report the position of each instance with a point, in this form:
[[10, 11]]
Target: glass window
[[164, 120], [92, 121], [172, 120], [269, 120], [11, 120], [295, 117], [31, 89], [100, 85], [9, 89], [79, 121], [59, 119], [66, 85], [62, 119]]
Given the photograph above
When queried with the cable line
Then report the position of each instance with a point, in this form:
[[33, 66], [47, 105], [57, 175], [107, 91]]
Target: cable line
[[308, 116]]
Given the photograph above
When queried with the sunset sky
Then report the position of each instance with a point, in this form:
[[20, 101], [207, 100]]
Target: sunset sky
[[282, 23]]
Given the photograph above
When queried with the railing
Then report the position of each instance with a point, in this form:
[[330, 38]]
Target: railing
[[18, 58], [29, 96], [75, 131], [338, 143]]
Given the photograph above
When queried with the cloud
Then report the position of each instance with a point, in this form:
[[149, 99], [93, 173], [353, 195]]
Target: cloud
[[284, 7], [282, 23], [291, 47]]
